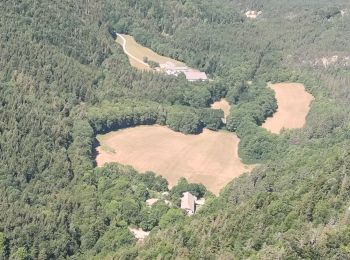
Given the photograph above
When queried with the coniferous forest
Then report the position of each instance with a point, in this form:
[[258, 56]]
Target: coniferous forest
[[63, 80]]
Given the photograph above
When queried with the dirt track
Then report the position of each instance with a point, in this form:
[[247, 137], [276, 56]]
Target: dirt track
[[293, 106], [130, 54], [210, 158], [136, 52]]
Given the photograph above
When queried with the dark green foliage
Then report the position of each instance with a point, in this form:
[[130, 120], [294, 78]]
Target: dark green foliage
[[115, 196], [211, 118], [235, 92], [63, 79], [113, 116], [80, 151], [218, 89], [197, 96], [182, 186], [183, 120], [109, 116], [254, 103], [277, 199], [153, 182], [258, 146]]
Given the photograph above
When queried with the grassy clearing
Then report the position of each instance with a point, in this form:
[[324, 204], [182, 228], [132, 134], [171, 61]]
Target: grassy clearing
[[136, 53]]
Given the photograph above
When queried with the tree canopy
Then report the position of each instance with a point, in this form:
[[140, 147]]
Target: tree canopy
[[63, 79]]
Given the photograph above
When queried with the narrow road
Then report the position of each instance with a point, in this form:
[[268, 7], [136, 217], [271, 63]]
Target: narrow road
[[129, 54]]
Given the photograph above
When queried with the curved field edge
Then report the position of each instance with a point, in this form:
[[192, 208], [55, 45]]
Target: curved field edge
[[106, 152], [293, 103], [210, 158], [59, 59]]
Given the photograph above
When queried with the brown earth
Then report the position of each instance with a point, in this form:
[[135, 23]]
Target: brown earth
[[293, 106], [223, 105], [210, 158]]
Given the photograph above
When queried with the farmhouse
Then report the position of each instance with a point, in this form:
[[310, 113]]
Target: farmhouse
[[194, 75], [188, 203], [170, 68]]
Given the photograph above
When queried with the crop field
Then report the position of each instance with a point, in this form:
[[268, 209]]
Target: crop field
[[293, 106], [210, 158]]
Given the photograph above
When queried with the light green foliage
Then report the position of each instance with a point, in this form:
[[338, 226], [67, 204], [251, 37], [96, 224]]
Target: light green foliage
[[20, 254], [152, 215], [171, 217]]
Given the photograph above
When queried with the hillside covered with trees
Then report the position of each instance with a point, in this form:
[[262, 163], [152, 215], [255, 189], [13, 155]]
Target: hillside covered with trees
[[63, 80]]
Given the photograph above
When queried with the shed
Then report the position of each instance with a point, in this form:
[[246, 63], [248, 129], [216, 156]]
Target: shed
[[188, 203], [194, 75]]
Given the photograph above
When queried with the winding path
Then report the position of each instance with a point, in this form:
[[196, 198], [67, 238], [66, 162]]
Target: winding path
[[129, 54]]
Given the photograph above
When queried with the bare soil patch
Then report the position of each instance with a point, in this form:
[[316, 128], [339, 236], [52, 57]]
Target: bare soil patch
[[210, 158], [223, 105], [293, 106]]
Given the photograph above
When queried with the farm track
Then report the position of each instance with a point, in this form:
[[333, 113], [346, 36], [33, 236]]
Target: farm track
[[129, 54]]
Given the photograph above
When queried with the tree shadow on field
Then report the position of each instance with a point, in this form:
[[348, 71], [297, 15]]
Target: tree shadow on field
[[96, 143]]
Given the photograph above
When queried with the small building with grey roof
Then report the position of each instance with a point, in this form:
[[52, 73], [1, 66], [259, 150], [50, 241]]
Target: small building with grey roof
[[188, 203]]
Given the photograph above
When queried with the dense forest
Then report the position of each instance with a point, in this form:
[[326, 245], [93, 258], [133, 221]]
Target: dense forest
[[63, 79]]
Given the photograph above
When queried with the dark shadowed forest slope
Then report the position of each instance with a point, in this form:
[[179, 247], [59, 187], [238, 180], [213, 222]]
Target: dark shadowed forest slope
[[63, 80]]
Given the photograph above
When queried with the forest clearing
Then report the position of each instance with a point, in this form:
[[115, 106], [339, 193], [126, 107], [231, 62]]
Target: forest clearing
[[223, 105], [210, 158], [293, 106], [145, 59], [136, 52]]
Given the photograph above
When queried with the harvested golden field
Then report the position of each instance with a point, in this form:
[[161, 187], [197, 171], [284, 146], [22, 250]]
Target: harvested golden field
[[210, 158], [136, 52], [293, 106]]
